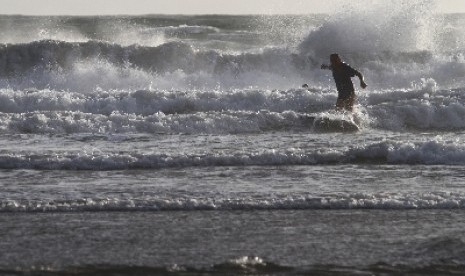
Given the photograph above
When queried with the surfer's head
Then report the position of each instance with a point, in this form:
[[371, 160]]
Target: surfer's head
[[335, 59]]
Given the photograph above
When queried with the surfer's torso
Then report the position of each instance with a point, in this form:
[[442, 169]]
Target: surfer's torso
[[342, 76]]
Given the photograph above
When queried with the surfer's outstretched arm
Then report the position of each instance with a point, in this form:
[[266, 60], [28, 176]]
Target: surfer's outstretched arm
[[326, 67], [362, 81]]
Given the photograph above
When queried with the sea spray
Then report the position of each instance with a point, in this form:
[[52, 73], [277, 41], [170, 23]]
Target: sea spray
[[374, 27], [393, 45]]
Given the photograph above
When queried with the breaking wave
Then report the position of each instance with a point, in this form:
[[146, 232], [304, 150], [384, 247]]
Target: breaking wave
[[219, 112], [425, 153], [390, 201]]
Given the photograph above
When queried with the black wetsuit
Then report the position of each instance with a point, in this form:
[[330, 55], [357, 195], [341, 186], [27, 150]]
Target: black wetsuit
[[344, 85]]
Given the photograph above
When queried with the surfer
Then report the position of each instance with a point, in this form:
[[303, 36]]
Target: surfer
[[342, 74]]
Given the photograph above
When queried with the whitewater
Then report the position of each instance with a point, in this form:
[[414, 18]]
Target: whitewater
[[186, 144]]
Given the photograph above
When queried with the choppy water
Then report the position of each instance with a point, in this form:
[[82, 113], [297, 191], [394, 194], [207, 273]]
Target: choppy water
[[146, 115]]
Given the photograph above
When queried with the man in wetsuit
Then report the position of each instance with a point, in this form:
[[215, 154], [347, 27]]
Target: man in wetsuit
[[342, 74]]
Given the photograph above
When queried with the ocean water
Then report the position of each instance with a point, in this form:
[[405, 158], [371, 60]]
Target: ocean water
[[185, 145]]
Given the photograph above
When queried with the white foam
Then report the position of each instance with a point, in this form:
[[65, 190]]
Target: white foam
[[389, 201], [426, 109], [217, 111], [147, 102], [420, 153]]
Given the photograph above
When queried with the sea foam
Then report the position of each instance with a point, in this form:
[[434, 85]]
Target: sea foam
[[396, 201], [398, 153]]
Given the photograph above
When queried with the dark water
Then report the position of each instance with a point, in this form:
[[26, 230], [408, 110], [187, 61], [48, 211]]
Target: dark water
[[337, 242]]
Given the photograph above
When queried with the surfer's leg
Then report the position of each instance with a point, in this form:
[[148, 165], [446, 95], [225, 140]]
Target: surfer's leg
[[345, 104], [349, 103], [345, 100], [340, 103]]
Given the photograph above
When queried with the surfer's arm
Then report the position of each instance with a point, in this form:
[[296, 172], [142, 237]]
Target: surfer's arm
[[326, 67], [360, 77]]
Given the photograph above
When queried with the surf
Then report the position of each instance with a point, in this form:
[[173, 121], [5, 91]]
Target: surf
[[364, 201]]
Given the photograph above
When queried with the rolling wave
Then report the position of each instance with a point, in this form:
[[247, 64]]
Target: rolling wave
[[397, 48], [74, 66], [220, 112], [425, 153], [388, 201]]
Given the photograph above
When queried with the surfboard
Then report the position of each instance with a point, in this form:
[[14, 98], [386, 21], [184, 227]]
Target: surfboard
[[330, 124], [334, 124]]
